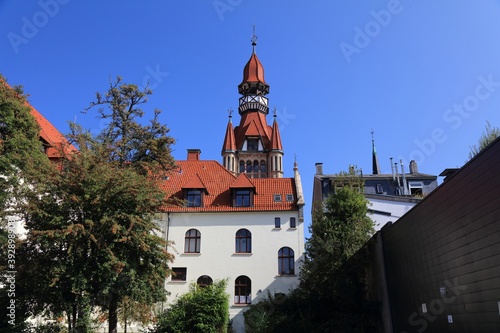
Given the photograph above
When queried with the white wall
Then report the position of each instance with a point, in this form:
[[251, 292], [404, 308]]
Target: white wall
[[395, 208], [217, 257]]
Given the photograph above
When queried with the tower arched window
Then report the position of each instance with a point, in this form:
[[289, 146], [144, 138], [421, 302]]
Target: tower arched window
[[263, 168], [243, 241], [249, 166], [275, 163], [286, 261], [242, 290], [256, 166], [242, 166], [192, 241]]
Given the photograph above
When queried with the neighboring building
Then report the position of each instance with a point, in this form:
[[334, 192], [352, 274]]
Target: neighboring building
[[437, 269], [241, 221], [390, 195]]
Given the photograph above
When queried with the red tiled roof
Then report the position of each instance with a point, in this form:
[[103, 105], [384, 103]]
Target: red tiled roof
[[57, 145], [276, 137], [218, 182], [253, 71], [242, 182], [194, 182], [253, 124], [229, 140]]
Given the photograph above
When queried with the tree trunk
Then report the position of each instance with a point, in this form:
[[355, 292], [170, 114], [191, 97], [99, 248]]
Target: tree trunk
[[113, 315]]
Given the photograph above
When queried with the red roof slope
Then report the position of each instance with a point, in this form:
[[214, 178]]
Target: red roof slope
[[57, 145], [218, 182]]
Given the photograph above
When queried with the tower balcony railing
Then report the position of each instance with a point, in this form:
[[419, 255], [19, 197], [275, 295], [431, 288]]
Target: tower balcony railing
[[253, 102]]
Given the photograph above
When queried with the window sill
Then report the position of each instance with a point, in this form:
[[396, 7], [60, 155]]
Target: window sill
[[286, 275], [240, 305], [243, 254], [177, 282], [191, 254], [276, 229], [292, 228]]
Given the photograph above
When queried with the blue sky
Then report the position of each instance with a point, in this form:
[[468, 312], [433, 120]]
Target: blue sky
[[424, 75]]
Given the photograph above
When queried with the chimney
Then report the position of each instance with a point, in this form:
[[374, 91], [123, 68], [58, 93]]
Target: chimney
[[193, 154], [413, 167], [319, 168]]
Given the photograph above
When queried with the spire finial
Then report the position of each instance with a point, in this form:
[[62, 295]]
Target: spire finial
[[254, 39], [275, 112], [230, 111], [373, 140]]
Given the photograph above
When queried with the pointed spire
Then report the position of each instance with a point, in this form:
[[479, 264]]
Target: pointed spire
[[253, 74], [375, 165], [229, 138], [275, 135]]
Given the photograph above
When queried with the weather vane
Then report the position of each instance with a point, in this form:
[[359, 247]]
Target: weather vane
[[230, 111], [254, 37]]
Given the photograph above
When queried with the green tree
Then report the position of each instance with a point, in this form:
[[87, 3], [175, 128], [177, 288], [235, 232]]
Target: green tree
[[91, 224], [20, 146], [201, 310], [340, 227], [488, 136]]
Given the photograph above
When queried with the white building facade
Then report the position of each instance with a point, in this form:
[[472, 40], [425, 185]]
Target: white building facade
[[241, 220]]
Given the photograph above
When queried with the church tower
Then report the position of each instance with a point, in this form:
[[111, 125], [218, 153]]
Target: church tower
[[253, 147]]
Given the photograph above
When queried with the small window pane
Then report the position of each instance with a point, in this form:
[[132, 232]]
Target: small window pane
[[179, 273], [292, 222], [277, 197], [289, 197], [277, 222]]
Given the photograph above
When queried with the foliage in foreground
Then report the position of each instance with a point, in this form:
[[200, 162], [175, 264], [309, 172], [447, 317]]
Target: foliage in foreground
[[488, 136], [330, 297], [201, 310], [92, 239]]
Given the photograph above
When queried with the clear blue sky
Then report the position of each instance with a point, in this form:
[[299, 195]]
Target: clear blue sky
[[424, 75]]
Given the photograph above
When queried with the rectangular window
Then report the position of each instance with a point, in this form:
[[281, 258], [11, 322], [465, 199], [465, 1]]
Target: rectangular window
[[242, 198], [253, 144], [277, 198], [179, 273], [277, 222], [289, 197], [380, 190], [292, 222], [193, 198]]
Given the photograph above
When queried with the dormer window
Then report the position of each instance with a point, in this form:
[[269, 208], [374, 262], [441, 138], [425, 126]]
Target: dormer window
[[194, 198], [253, 144], [242, 198]]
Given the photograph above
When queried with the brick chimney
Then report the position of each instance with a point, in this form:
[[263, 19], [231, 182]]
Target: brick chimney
[[413, 167], [193, 154], [319, 168]]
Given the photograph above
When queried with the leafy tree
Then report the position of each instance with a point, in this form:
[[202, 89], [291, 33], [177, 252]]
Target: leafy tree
[[330, 297], [340, 227], [488, 136], [20, 147], [91, 224], [201, 310]]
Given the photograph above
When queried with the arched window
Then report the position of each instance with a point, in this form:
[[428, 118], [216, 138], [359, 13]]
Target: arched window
[[275, 162], [263, 168], [286, 261], [242, 290], [243, 241], [204, 281], [242, 166], [228, 163], [255, 166], [249, 166], [192, 241]]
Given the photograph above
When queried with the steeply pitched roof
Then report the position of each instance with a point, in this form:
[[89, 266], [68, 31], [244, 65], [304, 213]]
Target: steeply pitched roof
[[276, 137], [218, 182], [253, 124], [229, 139], [56, 143]]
